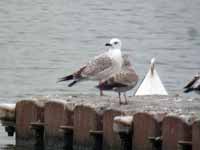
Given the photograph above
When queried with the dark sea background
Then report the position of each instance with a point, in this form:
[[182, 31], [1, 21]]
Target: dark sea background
[[43, 40]]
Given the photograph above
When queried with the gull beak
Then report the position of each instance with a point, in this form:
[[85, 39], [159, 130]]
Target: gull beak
[[108, 44]]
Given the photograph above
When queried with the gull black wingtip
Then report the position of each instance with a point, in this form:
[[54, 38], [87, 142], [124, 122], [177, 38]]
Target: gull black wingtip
[[187, 90], [190, 83], [66, 78]]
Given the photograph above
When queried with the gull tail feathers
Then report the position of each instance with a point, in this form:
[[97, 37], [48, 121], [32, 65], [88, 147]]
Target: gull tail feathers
[[77, 76], [66, 78], [187, 90]]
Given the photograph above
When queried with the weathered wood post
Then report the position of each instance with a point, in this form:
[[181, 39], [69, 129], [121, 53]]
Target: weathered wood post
[[123, 125], [38, 132], [97, 137], [27, 113], [87, 119], [56, 113], [68, 136], [176, 131], [147, 131], [196, 135], [111, 140]]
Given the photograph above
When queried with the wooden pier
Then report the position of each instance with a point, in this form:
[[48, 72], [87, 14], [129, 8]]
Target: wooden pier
[[100, 123]]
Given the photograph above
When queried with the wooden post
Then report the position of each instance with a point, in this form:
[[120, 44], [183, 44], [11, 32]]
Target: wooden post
[[175, 132], [111, 140], [196, 135], [56, 113], [38, 132], [86, 119], [123, 125], [68, 136], [27, 112], [146, 128], [97, 137]]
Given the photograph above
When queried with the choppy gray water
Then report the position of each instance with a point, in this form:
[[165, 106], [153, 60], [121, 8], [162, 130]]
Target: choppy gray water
[[43, 40]]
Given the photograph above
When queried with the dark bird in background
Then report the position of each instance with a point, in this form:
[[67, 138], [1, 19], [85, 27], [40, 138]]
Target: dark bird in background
[[100, 67], [121, 82], [193, 85]]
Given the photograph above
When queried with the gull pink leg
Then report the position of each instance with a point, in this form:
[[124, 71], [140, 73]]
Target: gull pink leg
[[119, 94], [126, 101], [100, 89]]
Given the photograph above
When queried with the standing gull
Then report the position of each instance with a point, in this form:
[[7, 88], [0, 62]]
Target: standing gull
[[193, 85], [101, 67], [123, 81]]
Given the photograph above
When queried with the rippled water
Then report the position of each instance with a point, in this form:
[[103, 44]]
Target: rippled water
[[43, 40]]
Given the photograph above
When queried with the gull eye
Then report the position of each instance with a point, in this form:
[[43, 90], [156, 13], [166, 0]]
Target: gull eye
[[115, 43]]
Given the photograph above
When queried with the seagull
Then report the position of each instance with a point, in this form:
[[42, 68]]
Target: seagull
[[101, 67], [121, 82], [193, 85]]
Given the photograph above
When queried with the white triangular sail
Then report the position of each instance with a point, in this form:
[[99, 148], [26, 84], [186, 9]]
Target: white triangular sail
[[151, 85]]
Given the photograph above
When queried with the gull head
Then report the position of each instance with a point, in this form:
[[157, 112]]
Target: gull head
[[114, 44]]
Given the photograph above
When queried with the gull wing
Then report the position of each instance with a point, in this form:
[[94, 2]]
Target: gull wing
[[98, 65]]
